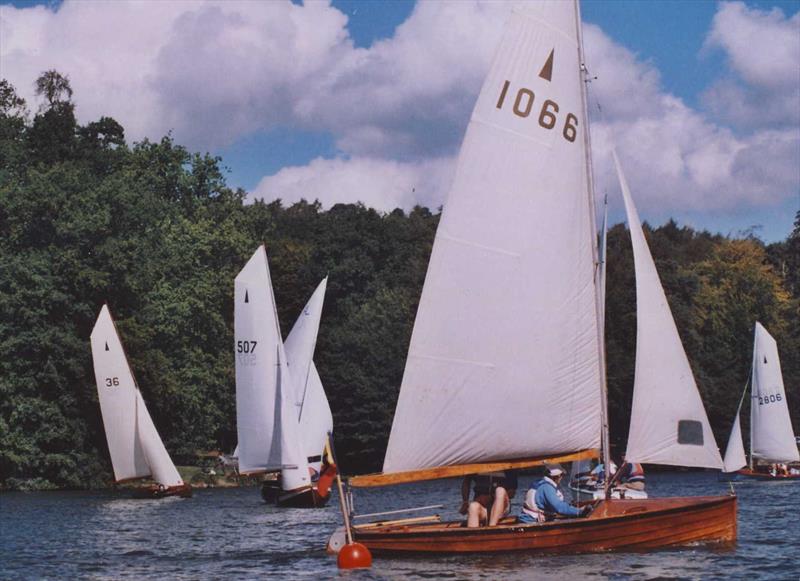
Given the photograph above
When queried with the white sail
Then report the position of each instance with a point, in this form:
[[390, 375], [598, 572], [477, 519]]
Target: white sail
[[133, 442], [316, 420], [734, 453], [117, 393], [504, 358], [771, 427], [161, 466], [265, 412], [668, 421]]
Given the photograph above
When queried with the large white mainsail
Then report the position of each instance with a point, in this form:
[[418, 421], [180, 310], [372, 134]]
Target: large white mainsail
[[504, 361], [772, 437], [314, 412], [668, 421], [133, 442], [265, 411]]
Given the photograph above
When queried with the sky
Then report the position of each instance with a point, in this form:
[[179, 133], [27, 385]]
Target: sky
[[368, 101]]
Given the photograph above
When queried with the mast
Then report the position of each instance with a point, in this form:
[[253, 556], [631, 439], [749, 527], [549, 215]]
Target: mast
[[600, 295]]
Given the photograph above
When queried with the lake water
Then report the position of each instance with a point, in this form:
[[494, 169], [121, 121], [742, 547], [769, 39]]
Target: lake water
[[232, 534]]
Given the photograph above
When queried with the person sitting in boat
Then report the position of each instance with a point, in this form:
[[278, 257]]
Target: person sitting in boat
[[631, 475], [544, 501], [492, 497], [599, 472]]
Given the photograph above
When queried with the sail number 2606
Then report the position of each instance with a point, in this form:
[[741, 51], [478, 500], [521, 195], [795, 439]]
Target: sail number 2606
[[767, 399], [523, 106]]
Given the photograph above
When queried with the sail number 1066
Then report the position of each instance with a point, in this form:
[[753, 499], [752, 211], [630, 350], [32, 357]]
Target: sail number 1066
[[523, 106]]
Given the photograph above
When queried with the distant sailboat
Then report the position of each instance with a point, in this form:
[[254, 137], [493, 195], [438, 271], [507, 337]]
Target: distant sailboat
[[283, 417], [133, 442], [505, 368], [772, 440]]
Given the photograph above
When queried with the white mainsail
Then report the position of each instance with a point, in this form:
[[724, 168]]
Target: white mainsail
[[133, 442], [668, 421], [265, 412], [504, 360], [772, 437]]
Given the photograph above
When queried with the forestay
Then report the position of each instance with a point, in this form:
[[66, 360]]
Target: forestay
[[668, 421], [504, 358], [265, 412], [771, 427], [314, 412]]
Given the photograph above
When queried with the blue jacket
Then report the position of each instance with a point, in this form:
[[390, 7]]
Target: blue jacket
[[548, 500]]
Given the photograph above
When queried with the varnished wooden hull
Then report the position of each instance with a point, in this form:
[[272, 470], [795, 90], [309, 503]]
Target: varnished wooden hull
[[154, 491], [614, 525], [747, 474]]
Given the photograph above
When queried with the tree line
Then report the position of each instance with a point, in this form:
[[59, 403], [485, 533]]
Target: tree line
[[153, 230]]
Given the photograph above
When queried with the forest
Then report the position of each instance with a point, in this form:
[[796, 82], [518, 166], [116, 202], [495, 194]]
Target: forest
[[153, 230]]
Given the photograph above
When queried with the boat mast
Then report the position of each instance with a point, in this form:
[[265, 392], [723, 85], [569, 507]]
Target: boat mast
[[600, 295]]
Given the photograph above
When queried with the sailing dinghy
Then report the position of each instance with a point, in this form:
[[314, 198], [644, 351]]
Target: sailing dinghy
[[772, 440], [133, 442], [283, 416], [505, 369]]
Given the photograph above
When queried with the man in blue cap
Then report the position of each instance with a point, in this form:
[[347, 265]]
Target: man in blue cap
[[544, 501]]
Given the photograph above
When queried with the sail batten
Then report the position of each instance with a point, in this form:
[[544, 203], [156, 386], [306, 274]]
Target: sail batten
[[511, 280], [668, 421]]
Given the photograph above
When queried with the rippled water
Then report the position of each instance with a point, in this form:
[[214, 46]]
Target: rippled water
[[230, 533]]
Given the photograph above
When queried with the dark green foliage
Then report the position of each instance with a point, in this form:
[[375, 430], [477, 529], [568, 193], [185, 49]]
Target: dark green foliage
[[154, 231]]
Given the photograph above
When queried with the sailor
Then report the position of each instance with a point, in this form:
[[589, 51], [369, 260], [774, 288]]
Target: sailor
[[599, 472], [631, 475], [544, 501], [492, 497]]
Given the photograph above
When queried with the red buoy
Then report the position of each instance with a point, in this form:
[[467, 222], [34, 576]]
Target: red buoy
[[354, 556]]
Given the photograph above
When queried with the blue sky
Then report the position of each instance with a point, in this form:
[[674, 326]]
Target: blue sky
[[281, 133]]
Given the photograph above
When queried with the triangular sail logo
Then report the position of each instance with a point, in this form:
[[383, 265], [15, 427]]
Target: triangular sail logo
[[547, 70], [107, 346], [246, 299]]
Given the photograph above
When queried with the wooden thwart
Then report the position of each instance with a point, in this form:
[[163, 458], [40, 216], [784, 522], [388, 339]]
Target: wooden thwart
[[370, 480]]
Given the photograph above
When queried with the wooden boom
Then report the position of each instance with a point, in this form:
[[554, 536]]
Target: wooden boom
[[380, 479]]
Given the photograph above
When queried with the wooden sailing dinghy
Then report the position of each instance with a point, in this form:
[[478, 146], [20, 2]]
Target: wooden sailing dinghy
[[134, 444], [506, 363], [283, 417], [772, 439]]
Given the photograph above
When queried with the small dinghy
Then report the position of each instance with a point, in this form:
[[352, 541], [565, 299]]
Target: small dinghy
[[134, 444]]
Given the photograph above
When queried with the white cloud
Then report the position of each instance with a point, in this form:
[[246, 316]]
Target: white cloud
[[763, 51], [378, 183]]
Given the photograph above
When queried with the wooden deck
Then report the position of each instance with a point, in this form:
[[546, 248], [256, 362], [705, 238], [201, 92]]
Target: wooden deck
[[614, 525]]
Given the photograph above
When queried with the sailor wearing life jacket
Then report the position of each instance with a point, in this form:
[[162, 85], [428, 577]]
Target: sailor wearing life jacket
[[632, 475], [544, 501]]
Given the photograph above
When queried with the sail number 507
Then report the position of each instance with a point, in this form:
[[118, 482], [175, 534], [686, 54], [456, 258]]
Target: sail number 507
[[246, 346], [523, 106]]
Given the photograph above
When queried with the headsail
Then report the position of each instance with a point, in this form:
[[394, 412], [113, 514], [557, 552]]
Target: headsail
[[504, 360], [265, 414], [668, 421], [133, 441], [734, 453], [771, 427]]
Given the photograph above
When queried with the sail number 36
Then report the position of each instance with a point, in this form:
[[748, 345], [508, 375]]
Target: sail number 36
[[523, 106], [246, 346], [112, 381], [767, 399]]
